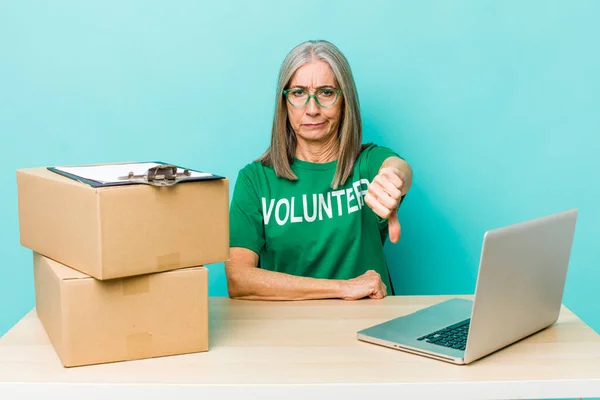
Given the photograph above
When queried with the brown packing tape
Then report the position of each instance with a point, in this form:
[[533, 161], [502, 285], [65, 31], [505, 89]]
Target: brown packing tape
[[136, 285], [139, 345], [168, 261]]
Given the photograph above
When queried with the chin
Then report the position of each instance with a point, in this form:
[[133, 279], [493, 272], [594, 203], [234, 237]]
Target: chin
[[316, 136]]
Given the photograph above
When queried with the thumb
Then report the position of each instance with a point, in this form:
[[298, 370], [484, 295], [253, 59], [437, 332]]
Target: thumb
[[394, 227]]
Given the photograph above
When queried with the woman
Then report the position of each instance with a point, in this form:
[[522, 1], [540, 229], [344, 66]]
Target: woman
[[309, 219]]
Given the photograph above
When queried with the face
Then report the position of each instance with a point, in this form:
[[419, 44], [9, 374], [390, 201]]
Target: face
[[312, 122]]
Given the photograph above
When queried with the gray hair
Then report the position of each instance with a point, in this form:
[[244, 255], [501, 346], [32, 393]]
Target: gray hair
[[282, 149]]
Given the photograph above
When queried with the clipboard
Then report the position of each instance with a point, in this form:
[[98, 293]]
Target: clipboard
[[154, 173]]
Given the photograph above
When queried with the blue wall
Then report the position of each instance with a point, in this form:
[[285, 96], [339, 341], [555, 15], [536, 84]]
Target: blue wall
[[493, 103]]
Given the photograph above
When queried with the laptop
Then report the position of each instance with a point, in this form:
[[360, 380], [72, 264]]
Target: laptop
[[519, 291]]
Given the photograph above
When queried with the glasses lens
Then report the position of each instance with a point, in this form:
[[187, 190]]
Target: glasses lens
[[297, 97], [327, 97]]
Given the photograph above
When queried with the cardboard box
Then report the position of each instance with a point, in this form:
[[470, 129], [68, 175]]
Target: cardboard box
[[117, 231], [90, 321]]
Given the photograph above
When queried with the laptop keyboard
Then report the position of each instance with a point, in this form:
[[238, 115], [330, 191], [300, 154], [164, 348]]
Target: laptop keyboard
[[453, 336]]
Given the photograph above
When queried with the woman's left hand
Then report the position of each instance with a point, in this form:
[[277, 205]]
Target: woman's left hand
[[384, 195]]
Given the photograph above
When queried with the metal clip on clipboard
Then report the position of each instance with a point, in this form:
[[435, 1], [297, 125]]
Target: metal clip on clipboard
[[161, 175]]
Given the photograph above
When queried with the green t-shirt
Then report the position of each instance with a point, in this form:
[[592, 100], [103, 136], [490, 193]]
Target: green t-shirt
[[306, 228]]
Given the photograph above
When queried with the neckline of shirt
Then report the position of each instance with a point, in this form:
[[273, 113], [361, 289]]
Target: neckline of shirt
[[314, 166]]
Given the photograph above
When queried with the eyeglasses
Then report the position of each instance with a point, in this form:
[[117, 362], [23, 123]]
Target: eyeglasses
[[325, 97]]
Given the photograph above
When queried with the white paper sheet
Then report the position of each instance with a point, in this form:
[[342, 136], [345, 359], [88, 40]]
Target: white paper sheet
[[111, 173]]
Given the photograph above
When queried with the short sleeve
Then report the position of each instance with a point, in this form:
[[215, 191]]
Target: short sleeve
[[245, 215], [374, 156]]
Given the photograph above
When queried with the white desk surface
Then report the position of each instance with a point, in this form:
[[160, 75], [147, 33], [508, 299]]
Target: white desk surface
[[309, 350]]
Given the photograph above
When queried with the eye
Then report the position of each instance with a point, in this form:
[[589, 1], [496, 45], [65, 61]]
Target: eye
[[327, 92], [297, 92]]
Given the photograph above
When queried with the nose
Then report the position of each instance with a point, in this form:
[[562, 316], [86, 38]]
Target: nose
[[312, 108]]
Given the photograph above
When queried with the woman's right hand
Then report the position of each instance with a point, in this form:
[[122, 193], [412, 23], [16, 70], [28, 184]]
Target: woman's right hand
[[368, 284]]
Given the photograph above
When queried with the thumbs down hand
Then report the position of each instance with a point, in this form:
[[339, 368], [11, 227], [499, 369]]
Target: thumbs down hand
[[384, 195]]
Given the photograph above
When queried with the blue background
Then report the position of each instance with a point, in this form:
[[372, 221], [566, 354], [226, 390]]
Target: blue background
[[494, 104]]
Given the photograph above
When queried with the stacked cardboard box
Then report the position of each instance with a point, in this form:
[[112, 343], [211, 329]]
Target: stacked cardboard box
[[119, 270]]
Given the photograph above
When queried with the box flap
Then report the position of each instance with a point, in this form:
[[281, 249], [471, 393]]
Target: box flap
[[63, 272], [185, 270], [43, 172]]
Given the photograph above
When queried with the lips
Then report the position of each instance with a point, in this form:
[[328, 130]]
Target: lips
[[311, 126]]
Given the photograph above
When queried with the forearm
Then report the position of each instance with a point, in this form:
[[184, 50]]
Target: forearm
[[404, 167], [251, 283]]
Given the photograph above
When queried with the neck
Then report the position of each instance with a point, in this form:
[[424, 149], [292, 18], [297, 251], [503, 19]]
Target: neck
[[318, 152]]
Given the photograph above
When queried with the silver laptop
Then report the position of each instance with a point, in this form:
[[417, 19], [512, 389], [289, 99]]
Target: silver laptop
[[519, 292]]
